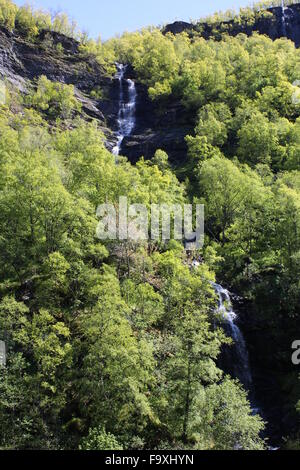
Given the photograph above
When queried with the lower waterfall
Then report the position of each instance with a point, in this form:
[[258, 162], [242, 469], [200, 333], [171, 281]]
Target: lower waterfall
[[239, 361], [127, 107]]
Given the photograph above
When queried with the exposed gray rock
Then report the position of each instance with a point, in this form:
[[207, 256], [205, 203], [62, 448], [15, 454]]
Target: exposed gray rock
[[270, 26], [178, 27], [170, 140], [22, 61]]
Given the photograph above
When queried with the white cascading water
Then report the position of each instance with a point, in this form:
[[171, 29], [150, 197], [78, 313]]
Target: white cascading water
[[127, 107], [241, 366], [284, 31], [2, 354]]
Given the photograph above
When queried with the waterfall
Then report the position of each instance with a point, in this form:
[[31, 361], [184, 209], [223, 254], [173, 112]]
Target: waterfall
[[284, 31], [2, 354], [239, 358], [127, 107]]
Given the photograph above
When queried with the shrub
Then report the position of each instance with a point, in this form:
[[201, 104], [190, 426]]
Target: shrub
[[25, 21], [99, 439], [7, 14], [57, 99]]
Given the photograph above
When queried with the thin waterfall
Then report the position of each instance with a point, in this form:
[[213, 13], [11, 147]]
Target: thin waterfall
[[2, 354], [240, 365], [127, 107], [284, 30]]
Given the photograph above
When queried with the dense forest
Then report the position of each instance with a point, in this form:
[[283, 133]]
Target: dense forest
[[116, 344]]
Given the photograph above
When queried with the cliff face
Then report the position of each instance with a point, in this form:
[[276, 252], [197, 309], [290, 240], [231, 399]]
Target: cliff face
[[22, 61], [156, 130], [271, 25]]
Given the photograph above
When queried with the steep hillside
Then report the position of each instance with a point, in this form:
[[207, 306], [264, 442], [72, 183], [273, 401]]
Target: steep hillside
[[23, 60], [269, 22], [116, 335]]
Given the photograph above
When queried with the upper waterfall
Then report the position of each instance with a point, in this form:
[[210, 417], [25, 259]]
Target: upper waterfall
[[127, 107], [284, 31]]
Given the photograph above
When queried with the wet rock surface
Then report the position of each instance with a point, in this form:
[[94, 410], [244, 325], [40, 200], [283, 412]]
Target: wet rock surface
[[270, 359]]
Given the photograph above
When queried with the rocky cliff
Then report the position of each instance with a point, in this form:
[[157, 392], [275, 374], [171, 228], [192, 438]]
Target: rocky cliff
[[271, 25], [168, 130], [22, 61]]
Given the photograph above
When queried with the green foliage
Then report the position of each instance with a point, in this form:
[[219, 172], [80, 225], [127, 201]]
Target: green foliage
[[214, 120], [246, 15], [97, 93], [62, 25], [115, 345], [114, 357], [33, 388], [98, 439], [42, 19], [57, 99], [30, 22], [227, 418], [228, 190], [8, 12], [25, 21], [103, 52]]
